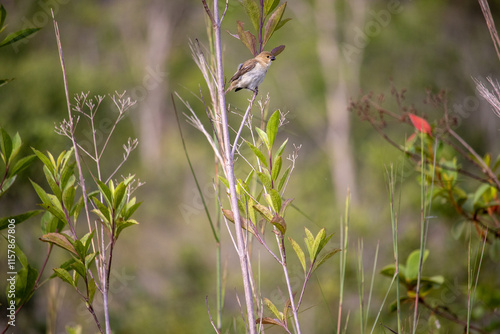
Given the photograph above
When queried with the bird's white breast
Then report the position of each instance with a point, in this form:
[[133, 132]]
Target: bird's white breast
[[253, 78]]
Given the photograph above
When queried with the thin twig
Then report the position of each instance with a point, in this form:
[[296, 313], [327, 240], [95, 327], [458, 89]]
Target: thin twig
[[243, 123], [210, 316]]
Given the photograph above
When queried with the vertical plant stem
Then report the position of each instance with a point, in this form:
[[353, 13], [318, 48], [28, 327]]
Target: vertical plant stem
[[287, 279], [469, 281], [422, 232], [344, 233], [229, 171], [80, 173], [361, 284], [394, 224]]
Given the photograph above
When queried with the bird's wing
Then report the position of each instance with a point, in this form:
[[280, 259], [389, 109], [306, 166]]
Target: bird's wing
[[244, 68]]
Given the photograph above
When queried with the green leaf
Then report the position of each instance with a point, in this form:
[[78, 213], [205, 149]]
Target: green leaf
[[102, 211], [282, 23], [79, 267], [51, 223], [264, 211], [253, 12], [130, 208], [299, 252], [119, 194], [121, 225], [7, 184], [68, 196], [60, 240], [273, 309], [89, 259], [323, 243], [412, 264], [40, 192], [317, 242], [91, 289], [75, 211], [279, 222], [64, 275], [45, 160], [272, 127], [258, 154], [247, 38], [86, 241], [263, 137], [5, 146], [22, 164], [67, 175], [224, 181], [265, 179], [479, 193], [277, 168], [53, 184], [388, 270], [281, 149], [18, 35], [273, 22], [325, 257], [17, 219], [16, 146], [55, 207], [3, 15], [108, 195], [309, 240], [25, 282], [283, 179], [80, 248], [270, 5], [276, 200]]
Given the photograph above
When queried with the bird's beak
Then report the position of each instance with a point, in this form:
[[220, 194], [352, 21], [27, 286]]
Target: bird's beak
[[273, 58]]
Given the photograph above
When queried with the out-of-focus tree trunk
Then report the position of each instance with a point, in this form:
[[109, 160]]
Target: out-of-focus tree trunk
[[147, 30], [341, 76]]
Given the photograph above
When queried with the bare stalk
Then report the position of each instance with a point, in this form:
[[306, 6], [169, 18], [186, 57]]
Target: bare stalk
[[228, 165], [77, 158]]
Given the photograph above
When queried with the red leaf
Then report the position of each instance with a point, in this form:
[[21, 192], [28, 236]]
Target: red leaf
[[420, 124]]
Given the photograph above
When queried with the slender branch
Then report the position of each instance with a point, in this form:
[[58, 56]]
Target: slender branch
[[228, 167], [210, 316], [235, 144], [287, 279], [442, 312]]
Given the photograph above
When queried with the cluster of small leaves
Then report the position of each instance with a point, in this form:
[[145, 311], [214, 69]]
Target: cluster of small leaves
[[480, 205], [10, 169], [119, 207], [408, 277], [270, 205], [268, 173], [266, 17], [315, 245], [13, 37], [443, 155], [62, 210]]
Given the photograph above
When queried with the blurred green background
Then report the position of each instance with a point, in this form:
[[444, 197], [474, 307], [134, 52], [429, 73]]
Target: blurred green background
[[335, 50]]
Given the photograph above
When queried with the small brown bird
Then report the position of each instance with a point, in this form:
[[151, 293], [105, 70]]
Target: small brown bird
[[251, 73]]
